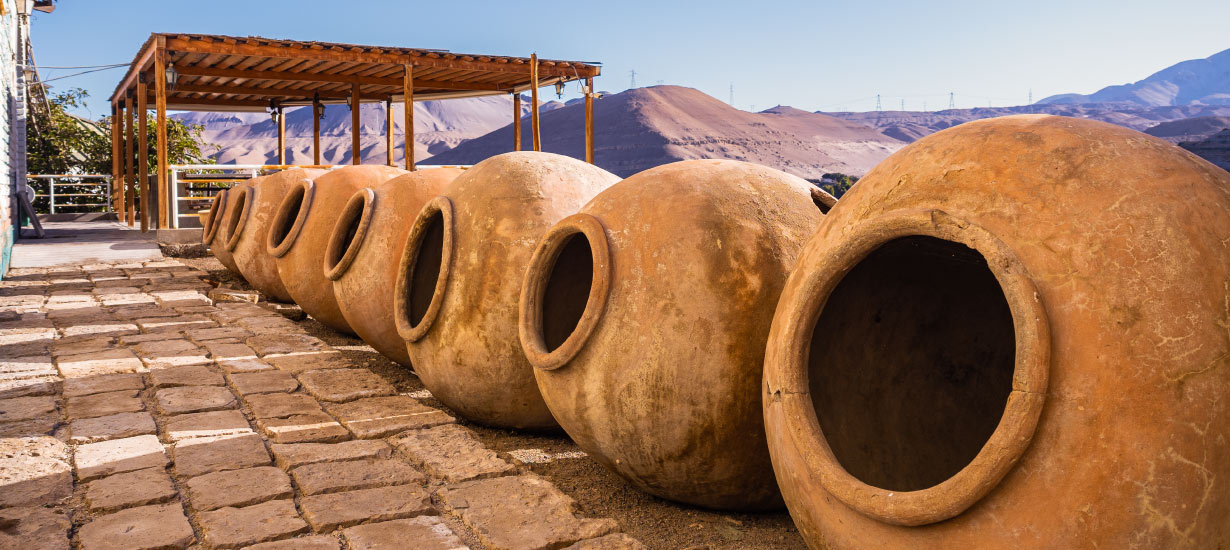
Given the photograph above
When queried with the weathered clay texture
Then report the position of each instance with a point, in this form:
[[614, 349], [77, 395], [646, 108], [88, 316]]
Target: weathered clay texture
[[248, 228], [301, 229], [460, 278], [364, 252], [1011, 334], [214, 234], [646, 315]]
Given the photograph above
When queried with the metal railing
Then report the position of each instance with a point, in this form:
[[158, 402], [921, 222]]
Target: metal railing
[[76, 181]]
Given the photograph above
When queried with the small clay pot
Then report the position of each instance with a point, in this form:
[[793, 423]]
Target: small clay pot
[[646, 316], [301, 230], [364, 253], [1011, 334], [460, 279], [215, 231], [248, 229]]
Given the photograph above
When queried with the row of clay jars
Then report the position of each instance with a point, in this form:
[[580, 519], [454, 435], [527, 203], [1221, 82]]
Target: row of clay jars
[[1014, 333], [250, 215], [646, 317], [364, 253], [300, 232]]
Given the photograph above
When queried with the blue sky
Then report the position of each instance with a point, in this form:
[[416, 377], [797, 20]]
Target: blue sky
[[811, 55]]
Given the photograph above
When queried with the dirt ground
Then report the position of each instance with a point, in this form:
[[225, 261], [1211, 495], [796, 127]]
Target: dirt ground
[[658, 523]]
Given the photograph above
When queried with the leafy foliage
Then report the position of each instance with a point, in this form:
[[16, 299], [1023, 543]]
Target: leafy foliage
[[836, 184]]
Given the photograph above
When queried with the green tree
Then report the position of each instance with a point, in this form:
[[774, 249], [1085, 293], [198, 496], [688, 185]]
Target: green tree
[[836, 184]]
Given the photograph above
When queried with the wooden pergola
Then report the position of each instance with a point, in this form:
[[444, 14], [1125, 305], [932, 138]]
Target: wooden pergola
[[197, 72]]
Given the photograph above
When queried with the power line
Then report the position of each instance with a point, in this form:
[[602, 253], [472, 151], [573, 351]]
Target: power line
[[79, 74], [79, 66]]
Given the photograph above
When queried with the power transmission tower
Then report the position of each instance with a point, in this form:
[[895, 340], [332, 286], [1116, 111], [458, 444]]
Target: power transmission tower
[[952, 104], [903, 104], [632, 73], [1031, 96], [732, 94], [878, 103]]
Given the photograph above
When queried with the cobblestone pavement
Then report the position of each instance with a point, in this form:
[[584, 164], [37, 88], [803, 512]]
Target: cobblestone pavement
[[136, 413]]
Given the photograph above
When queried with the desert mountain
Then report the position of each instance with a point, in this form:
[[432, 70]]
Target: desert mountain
[[1190, 129], [645, 127], [1215, 148], [1193, 82], [251, 138]]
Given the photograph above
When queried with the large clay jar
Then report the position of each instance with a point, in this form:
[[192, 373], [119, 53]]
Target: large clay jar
[[646, 316], [364, 253], [214, 232], [248, 228], [460, 279], [1014, 333], [301, 230]]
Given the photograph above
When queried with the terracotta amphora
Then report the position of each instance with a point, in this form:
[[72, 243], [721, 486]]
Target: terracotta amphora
[[248, 228]]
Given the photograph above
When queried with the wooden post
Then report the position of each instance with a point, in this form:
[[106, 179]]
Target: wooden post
[[589, 120], [388, 131], [407, 90], [534, 99], [117, 159], [143, 148], [316, 107], [281, 135], [516, 121], [130, 174], [160, 121], [355, 148]]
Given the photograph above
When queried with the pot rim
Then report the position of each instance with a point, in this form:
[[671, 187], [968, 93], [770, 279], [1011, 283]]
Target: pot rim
[[405, 271], [1012, 436], [363, 200], [534, 287], [214, 221], [279, 249], [249, 197]]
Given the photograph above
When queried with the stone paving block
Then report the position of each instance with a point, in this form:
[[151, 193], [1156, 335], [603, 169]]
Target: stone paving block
[[304, 362], [125, 299], [76, 387], [34, 471], [378, 417], [336, 510], [280, 405], [201, 335], [32, 528], [340, 385], [238, 527], [126, 490], [28, 387], [166, 325], [186, 399], [421, 533], [221, 295], [199, 456], [104, 362], [333, 477], [207, 424], [95, 460], [247, 364], [26, 408], [202, 309], [520, 512], [103, 404], [270, 381], [135, 339], [144, 528], [452, 453], [116, 426], [222, 351], [298, 454], [194, 375], [270, 323], [132, 313], [313, 542], [65, 347], [27, 366], [300, 428], [617, 541], [100, 329], [284, 343], [289, 311], [34, 427], [171, 353], [237, 488]]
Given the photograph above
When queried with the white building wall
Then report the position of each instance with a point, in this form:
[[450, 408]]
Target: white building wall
[[12, 128]]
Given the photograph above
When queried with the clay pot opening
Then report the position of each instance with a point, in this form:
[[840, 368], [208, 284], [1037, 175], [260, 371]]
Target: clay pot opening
[[348, 233], [424, 271], [911, 363], [289, 220], [213, 221], [237, 220], [916, 373], [564, 291]]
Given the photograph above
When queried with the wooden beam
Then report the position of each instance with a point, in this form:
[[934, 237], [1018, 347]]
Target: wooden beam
[[356, 149], [407, 91], [269, 92], [160, 108], [144, 58], [589, 120], [283, 76], [388, 131], [143, 150], [516, 121], [316, 112], [281, 135], [130, 177], [117, 159], [534, 99]]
